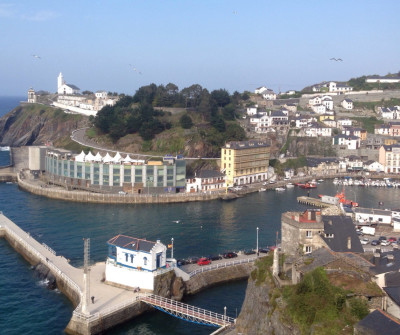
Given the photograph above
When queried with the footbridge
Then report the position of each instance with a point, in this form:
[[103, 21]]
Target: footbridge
[[187, 312]]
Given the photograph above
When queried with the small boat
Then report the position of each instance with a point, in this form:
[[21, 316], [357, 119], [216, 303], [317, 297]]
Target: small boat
[[262, 189], [4, 148], [320, 180], [279, 189], [309, 185], [289, 185]]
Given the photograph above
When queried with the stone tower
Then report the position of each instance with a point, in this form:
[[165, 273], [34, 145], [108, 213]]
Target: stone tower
[[60, 81], [31, 96]]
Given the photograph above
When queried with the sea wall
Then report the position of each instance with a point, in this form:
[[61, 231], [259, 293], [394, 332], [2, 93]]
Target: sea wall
[[204, 280], [82, 196]]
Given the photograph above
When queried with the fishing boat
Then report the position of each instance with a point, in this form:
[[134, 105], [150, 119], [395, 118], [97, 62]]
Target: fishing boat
[[4, 148], [262, 189], [309, 185], [289, 185], [279, 189]]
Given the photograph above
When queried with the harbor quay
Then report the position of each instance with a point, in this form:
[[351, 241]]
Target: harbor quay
[[101, 304]]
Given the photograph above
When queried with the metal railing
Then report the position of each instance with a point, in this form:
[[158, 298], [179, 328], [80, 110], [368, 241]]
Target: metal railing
[[188, 312], [221, 265]]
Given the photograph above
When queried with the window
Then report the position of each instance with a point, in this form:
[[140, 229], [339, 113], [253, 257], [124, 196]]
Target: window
[[308, 233], [126, 257], [131, 258], [144, 260], [308, 249]]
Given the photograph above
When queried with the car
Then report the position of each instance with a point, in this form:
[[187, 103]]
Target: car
[[121, 192], [203, 261], [230, 255], [375, 242], [182, 262], [382, 238], [364, 240], [192, 260], [385, 243], [249, 252], [392, 239], [214, 257], [263, 250], [272, 182], [265, 183]]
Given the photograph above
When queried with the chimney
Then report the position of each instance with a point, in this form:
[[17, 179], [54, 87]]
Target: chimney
[[349, 243]]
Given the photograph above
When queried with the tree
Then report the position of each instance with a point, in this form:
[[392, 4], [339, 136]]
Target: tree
[[186, 121], [218, 123], [191, 95], [221, 97], [204, 105], [87, 92], [228, 112], [145, 94]]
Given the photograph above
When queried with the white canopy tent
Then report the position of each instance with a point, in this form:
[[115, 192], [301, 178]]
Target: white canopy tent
[[127, 159], [80, 157], [89, 157], [117, 158], [107, 158], [98, 157]]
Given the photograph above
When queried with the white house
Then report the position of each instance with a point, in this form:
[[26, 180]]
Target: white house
[[340, 88], [390, 113], [373, 166], [269, 94], [252, 110], [352, 142], [317, 130], [206, 181], [379, 79], [315, 101], [260, 90], [344, 123], [101, 95], [371, 215], [133, 262], [319, 109], [347, 104], [327, 102], [63, 88]]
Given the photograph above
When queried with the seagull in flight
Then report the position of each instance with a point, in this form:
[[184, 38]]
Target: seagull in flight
[[36, 56], [337, 59], [135, 69]]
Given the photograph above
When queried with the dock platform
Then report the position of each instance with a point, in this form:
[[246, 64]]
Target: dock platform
[[312, 202]]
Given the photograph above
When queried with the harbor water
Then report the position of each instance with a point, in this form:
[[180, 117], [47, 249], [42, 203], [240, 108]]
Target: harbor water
[[203, 228]]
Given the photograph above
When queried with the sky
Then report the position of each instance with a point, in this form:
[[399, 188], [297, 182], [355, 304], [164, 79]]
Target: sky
[[229, 44]]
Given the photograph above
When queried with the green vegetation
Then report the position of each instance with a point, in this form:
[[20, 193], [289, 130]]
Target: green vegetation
[[368, 123], [316, 304], [359, 84], [186, 121], [372, 105], [290, 96], [289, 164], [262, 270]]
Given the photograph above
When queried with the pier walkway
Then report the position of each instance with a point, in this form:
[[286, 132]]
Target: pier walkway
[[187, 312]]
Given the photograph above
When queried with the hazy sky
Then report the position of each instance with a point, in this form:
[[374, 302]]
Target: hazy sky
[[236, 45]]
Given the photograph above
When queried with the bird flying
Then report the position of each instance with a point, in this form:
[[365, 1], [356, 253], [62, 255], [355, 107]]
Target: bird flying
[[337, 59], [36, 56]]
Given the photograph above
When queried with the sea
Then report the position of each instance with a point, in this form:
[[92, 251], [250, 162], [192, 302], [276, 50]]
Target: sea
[[204, 228]]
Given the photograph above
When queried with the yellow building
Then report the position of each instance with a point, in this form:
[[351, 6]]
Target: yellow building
[[245, 162]]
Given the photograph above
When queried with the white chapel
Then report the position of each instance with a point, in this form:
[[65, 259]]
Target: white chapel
[[63, 88]]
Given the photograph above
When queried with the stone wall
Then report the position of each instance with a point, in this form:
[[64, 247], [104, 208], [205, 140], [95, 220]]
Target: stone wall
[[210, 278]]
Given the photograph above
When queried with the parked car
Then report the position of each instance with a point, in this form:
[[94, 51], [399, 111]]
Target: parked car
[[249, 252], [364, 240], [203, 261], [214, 257], [375, 242], [382, 238], [181, 262], [392, 239], [385, 242], [192, 260], [230, 255], [122, 193], [263, 250]]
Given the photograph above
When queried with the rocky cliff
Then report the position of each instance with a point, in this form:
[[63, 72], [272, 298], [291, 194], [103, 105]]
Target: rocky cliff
[[35, 124]]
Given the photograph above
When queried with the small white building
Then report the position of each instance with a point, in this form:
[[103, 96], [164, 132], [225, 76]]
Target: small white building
[[260, 90], [344, 123], [371, 215], [63, 88], [252, 110], [373, 166], [319, 109], [338, 87], [347, 104], [101, 95], [31, 96], [134, 262], [269, 94], [206, 181]]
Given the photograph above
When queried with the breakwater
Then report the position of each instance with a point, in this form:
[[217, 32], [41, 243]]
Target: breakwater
[[113, 305]]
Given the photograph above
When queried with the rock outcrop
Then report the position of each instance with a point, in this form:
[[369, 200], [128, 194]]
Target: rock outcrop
[[42, 272], [35, 124]]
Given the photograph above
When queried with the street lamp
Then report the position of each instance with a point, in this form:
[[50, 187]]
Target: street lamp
[[257, 241], [172, 249], [224, 315]]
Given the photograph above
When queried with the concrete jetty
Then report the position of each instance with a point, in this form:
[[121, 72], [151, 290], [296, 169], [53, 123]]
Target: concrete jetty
[[312, 202], [112, 305]]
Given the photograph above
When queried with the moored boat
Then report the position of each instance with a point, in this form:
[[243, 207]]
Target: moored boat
[[279, 189]]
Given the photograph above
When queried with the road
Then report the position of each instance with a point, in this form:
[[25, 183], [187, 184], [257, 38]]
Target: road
[[79, 136]]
